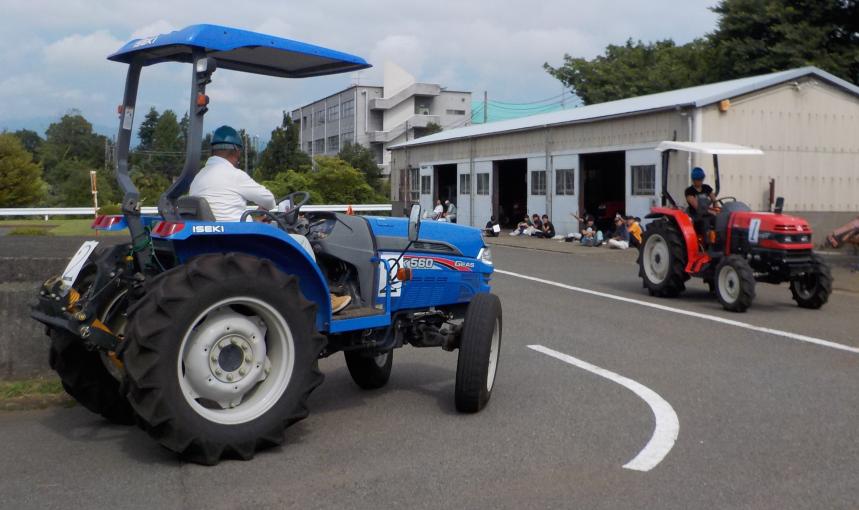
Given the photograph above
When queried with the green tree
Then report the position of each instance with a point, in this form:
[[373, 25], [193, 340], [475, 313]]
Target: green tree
[[21, 181], [75, 190], [340, 183], [287, 182], [31, 141], [150, 185], [167, 146], [638, 68], [146, 131], [283, 152], [432, 128], [362, 159], [752, 37], [70, 138], [762, 36]]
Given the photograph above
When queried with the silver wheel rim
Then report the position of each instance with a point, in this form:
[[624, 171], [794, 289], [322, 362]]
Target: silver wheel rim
[[729, 284], [494, 347], [656, 258], [233, 367]]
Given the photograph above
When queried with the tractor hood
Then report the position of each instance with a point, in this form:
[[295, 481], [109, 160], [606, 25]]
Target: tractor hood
[[466, 239]]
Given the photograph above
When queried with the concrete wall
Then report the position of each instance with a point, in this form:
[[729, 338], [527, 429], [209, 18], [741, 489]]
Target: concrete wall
[[809, 135]]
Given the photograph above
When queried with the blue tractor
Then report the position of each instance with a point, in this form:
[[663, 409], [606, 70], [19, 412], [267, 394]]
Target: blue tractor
[[208, 334]]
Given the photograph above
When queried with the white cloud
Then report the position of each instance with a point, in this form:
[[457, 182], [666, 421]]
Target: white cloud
[[82, 50], [158, 27]]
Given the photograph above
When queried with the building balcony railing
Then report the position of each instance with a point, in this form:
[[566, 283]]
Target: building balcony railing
[[416, 89], [415, 121]]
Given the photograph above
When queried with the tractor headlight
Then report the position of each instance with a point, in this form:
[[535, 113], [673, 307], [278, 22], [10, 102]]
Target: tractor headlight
[[485, 256]]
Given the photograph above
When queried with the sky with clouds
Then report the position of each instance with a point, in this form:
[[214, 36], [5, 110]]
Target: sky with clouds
[[53, 52]]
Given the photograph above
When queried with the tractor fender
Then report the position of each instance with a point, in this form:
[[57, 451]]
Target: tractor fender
[[263, 241], [694, 258]]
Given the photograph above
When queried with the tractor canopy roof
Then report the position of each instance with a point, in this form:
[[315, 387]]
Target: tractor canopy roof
[[239, 50], [728, 149]]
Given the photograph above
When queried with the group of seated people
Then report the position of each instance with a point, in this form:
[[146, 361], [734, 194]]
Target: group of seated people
[[626, 232]]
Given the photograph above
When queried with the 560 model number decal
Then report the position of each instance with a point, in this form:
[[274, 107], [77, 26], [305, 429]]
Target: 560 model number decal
[[419, 262]]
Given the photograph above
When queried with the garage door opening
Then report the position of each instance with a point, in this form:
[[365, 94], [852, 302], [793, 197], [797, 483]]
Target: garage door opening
[[510, 199], [603, 186], [445, 178]]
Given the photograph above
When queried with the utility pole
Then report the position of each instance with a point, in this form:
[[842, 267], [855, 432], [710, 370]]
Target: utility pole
[[485, 106], [563, 91], [247, 149]]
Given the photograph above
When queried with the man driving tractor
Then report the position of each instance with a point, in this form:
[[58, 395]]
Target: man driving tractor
[[228, 189], [701, 221]]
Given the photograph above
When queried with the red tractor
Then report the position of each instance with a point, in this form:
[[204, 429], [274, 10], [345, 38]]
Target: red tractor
[[727, 244]]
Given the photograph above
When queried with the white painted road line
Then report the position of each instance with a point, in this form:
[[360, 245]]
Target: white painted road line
[[667, 425], [787, 334]]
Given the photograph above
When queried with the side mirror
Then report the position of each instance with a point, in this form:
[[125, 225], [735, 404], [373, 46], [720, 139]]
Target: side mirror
[[779, 205], [414, 222]]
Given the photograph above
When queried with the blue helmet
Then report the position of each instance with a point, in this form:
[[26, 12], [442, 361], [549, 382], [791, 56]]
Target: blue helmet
[[227, 138], [698, 174]]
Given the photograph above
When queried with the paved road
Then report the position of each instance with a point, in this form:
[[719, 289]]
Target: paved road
[[765, 421]]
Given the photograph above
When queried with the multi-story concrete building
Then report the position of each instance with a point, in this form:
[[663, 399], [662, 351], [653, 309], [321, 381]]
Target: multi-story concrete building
[[377, 116]]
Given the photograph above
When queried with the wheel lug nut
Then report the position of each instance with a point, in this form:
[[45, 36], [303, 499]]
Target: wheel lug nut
[[229, 377], [244, 347], [223, 344], [218, 371], [243, 371], [247, 359], [214, 359]]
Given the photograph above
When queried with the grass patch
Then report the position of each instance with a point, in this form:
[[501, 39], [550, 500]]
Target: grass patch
[[30, 387], [36, 393], [56, 227], [29, 231]]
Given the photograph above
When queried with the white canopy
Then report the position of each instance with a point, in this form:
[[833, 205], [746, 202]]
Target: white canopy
[[710, 148]]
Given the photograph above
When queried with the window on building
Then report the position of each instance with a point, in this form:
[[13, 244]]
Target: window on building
[[333, 143], [426, 185], [538, 182], [482, 183], [309, 147], [347, 138], [333, 113], [643, 179], [414, 184], [347, 108], [455, 112], [565, 182], [319, 146], [320, 116], [465, 184]]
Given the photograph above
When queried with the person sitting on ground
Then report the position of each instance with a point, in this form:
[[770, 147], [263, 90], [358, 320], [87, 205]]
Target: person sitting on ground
[[633, 225], [523, 227], [590, 236], [547, 230], [438, 211], [620, 238], [450, 211], [536, 224], [228, 189], [492, 228]]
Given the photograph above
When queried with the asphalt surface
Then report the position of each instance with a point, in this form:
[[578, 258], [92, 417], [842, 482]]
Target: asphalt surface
[[765, 420]]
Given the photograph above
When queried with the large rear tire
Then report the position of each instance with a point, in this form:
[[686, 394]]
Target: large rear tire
[[812, 289], [90, 376], [735, 283], [479, 352], [369, 371], [221, 354], [662, 259]]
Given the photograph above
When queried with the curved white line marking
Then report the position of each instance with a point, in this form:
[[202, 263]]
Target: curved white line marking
[[714, 318], [667, 425]]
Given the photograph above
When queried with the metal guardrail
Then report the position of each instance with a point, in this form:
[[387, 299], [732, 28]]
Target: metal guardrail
[[47, 212]]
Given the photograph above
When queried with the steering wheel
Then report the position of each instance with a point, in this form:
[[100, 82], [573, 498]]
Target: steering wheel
[[291, 216], [267, 214]]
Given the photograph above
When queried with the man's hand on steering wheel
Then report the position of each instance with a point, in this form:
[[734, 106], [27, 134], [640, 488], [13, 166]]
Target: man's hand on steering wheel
[[296, 200]]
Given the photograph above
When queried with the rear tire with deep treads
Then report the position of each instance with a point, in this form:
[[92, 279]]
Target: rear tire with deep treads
[[662, 259], [82, 372], [177, 306]]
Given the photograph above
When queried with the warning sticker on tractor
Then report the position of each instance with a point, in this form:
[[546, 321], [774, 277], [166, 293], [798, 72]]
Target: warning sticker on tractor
[[75, 265], [396, 285]]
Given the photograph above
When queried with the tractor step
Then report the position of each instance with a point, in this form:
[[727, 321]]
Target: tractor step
[[357, 311]]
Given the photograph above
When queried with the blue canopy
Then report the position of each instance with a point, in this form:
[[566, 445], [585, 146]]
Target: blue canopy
[[240, 50]]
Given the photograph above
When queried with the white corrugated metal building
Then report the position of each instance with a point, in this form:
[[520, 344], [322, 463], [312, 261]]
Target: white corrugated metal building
[[805, 120]]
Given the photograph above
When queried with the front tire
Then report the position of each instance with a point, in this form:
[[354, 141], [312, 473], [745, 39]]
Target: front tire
[[369, 371], [662, 259], [812, 290], [735, 283], [479, 353], [221, 355]]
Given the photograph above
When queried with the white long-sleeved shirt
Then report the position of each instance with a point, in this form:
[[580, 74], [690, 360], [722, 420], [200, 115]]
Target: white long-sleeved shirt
[[228, 189]]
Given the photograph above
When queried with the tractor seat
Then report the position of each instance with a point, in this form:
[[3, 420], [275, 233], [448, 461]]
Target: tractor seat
[[727, 209], [194, 208]]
